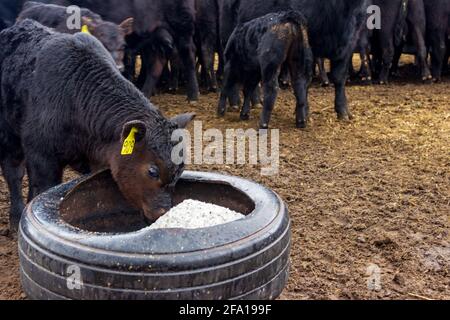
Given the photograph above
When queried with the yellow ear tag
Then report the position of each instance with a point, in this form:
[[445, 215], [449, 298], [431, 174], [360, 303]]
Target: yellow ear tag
[[129, 143], [85, 29]]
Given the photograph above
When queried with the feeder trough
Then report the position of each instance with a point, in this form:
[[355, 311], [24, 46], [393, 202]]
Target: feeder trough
[[81, 240]]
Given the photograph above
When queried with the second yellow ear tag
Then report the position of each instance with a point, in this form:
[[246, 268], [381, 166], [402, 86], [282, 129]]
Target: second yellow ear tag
[[129, 143], [85, 29]]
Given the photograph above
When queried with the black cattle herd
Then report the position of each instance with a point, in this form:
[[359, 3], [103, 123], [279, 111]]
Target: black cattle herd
[[70, 98]]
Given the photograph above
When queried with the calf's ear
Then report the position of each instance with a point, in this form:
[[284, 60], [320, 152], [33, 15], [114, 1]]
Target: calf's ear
[[183, 120], [127, 26], [136, 129]]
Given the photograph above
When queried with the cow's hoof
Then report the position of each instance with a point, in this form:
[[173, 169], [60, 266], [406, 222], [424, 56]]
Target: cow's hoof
[[264, 126], [258, 106], [235, 109], [325, 84], [383, 82], [367, 81], [436, 80], [245, 116], [172, 90], [193, 102], [302, 124], [221, 112], [284, 85], [345, 116], [427, 79], [213, 90]]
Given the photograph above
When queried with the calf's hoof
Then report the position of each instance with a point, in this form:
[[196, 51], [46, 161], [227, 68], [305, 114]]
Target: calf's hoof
[[193, 102], [326, 84]]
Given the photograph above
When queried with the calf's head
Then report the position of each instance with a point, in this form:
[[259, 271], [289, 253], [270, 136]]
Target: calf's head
[[112, 36], [143, 168]]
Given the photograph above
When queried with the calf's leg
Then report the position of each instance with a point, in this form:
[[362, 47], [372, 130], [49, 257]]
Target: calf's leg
[[13, 169], [44, 172]]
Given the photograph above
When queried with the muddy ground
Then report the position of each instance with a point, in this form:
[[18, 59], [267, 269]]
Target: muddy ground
[[371, 193]]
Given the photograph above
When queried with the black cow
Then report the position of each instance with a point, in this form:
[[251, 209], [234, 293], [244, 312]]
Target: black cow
[[438, 33], [111, 35], [63, 102], [158, 24], [333, 26], [256, 52], [397, 18]]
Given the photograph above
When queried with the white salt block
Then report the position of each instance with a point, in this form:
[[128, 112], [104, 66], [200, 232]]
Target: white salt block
[[192, 214]]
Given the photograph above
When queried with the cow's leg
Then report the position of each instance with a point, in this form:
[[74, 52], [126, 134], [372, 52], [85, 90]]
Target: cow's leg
[[365, 72], [186, 51], [13, 169], [207, 50], [256, 97], [438, 53], [250, 87], [174, 73], [152, 68], [339, 70], [387, 56], [419, 41], [322, 72], [130, 65]]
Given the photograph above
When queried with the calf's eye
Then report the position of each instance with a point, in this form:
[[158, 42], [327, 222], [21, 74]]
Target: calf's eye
[[153, 172]]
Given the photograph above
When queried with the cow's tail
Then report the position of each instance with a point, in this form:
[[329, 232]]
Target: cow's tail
[[401, 25], [299, 21]]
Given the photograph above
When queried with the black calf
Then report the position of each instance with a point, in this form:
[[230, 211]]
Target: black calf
[[257, 51]]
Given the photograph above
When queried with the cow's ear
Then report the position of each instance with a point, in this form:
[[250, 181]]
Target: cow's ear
[[89, 23], [127, 26], [183, 120]]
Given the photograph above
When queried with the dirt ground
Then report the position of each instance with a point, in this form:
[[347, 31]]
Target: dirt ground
[[371, 193]]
